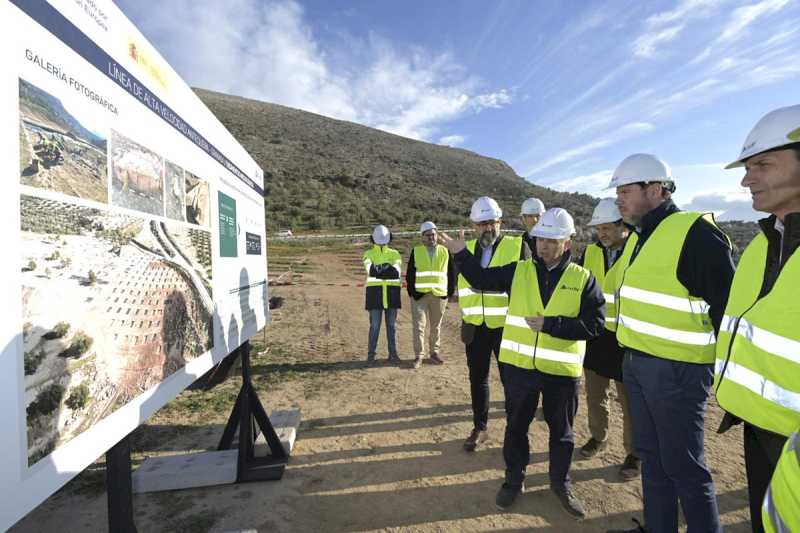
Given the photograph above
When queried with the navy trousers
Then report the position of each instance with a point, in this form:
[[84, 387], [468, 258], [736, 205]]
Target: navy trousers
[[560, 403], [668, 404], [485, 342]]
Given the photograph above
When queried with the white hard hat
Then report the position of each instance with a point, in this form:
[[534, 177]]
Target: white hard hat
[[606, 211], [775, 129], [381, 235], [427, 226], [532, 206], [639, 168], [485, 209], [555, 223]]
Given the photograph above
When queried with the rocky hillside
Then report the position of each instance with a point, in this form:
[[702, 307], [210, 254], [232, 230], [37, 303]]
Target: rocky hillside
[[327, 174], [323, 173]]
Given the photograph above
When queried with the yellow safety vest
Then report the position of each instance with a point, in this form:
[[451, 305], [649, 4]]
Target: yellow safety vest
[[757, 371], [489, 307], [378, 255], [525, 348], [431, 273], [781, 510], [595, 262], [656, 314]]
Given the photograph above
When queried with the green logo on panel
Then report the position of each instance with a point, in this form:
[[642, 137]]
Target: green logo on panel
[[227, 226], [795, 135]]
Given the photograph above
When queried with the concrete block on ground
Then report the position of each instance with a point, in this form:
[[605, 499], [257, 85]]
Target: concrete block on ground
[[205, 469], [286, 422], [173, 472]]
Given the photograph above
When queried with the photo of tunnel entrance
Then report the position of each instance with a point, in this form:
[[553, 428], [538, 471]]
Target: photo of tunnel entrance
[[112, 305]]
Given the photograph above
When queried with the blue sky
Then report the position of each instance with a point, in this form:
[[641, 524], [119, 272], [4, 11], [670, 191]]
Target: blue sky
[[560, 90]]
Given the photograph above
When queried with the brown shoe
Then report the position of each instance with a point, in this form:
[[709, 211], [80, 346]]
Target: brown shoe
[[630, 468], [435, 359], [477, 437]]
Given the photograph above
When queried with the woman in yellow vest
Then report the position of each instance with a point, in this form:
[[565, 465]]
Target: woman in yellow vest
[[757, 372], [382, 290], [554, 307]]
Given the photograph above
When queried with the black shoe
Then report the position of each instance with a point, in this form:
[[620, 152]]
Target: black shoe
[[507, 495], [638, 529], [476, 438], [631, 468], [592, 448], [569, 501]]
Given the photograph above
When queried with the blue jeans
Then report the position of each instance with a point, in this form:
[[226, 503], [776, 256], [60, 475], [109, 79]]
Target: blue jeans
[[375, 331], [668, 403]]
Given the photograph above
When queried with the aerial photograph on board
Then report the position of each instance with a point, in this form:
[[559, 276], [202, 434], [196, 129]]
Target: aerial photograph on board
[[58, 151], [135, 305]]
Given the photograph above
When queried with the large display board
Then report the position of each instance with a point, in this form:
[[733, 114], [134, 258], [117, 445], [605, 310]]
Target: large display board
[[133, 240]]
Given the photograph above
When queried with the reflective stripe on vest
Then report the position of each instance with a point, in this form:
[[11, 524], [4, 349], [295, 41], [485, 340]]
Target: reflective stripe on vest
[[613, 280], [524, 348], [780, 512], [431, 273], [479, 307], [378, 255], [757, 371], [655, 312]]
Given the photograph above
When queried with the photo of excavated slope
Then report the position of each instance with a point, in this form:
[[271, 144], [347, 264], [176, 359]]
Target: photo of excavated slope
[[57, 152], [197, 200], [137, 176], [112, 305], [174, 197]]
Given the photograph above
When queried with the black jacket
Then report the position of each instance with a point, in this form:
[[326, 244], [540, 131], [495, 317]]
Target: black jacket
[[589, 322], [411, 277], [705, 266], [778, 250], [374, 295], [531, 242], [603, 353]]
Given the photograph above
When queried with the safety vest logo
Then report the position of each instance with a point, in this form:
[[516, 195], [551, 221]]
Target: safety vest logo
[[564, 286]]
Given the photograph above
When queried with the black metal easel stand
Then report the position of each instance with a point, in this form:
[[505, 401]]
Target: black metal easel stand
[[120, 487], [249, 415]]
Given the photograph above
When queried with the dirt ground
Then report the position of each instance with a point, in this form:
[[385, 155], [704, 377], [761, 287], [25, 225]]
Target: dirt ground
[[379, 448]]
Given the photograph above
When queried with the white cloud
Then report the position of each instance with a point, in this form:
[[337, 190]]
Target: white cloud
[[684, 10], [645, 45], [452, 140], [726, 205], [634, 128], [267, 51], [746, 15], [664, 27], [594, 184]]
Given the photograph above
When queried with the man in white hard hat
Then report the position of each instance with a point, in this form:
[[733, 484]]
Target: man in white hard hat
[[530, 212], [430, 281], [555, 306], [382, 264], [757, 378], [603, 362], [483, 312], [670, 303]]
